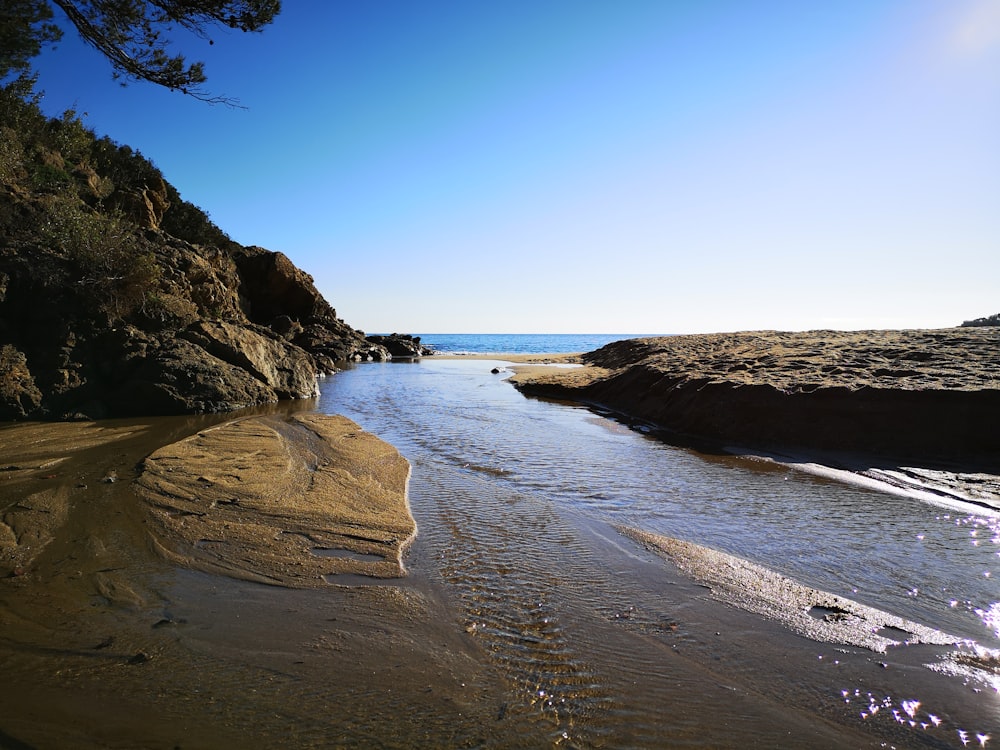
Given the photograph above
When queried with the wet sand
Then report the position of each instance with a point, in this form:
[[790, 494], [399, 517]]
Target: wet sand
[[121, 627], [294, 501], [818, 615], [163, 586]]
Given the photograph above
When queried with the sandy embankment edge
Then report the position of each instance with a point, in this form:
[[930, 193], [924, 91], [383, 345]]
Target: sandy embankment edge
[[522, 360], [866, 403]]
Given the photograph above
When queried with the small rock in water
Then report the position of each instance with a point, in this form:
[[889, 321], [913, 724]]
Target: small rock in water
[[140, 657]]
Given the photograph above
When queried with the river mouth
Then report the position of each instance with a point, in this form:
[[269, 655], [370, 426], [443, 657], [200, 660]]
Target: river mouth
[[525, 619]]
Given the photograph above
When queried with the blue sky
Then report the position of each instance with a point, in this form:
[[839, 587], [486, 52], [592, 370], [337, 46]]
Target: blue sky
[[583, 166]]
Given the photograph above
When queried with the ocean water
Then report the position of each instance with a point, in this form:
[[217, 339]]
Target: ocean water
[[521, 343]]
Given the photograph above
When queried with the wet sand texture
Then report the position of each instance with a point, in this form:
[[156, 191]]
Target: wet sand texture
[[32, 453], [930, 396], [810, 612], [295, 501]]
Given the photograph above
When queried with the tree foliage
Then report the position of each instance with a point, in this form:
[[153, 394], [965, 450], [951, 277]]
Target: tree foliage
[[132, 34], [25, 27], [992, 320]]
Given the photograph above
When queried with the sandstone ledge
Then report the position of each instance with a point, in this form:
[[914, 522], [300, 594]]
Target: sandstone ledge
[[922, 396], [297, 501]]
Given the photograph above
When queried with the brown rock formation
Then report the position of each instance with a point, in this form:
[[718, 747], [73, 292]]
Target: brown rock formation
[[927, 395], [118, 297], [143, 205]]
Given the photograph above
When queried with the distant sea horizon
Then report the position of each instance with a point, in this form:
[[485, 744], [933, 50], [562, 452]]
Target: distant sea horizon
[[521, 343]]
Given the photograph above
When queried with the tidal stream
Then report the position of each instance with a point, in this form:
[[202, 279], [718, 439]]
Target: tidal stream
[[517, 499]]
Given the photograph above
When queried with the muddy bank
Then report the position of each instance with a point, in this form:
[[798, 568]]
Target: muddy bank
[[927, 397]]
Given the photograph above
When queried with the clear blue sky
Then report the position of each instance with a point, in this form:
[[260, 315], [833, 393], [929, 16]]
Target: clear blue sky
[[587, 166]]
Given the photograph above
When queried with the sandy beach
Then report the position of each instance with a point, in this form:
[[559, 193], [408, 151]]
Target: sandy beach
[[217, 578]]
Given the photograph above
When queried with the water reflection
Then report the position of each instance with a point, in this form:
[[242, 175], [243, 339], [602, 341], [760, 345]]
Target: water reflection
[[496, 475], [884, 550]]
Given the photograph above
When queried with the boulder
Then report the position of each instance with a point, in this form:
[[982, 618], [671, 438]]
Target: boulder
[[283, 367], [19, 396], [176, 376], [399, 345], [273, 286]]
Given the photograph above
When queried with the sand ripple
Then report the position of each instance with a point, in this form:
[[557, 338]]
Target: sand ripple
[[298, 501]]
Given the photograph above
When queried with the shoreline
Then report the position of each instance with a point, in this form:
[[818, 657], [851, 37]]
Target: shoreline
[[903, 397], [574, 358], [96, 611], [948, 484]]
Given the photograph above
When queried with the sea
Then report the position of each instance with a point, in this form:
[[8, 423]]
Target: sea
[[521, 343]]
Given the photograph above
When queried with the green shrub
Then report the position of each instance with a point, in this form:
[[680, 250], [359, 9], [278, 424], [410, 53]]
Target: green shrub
[[19, 107], [187, 222], [70, 137], [11, 155], [48, 178], [114, 276], [128, 169]]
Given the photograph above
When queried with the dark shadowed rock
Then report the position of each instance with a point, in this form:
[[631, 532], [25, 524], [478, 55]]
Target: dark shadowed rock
[[399, 345], [273, 286]]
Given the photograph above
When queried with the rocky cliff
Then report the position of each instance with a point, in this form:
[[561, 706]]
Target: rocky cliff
[[927, 395], [117, 297]]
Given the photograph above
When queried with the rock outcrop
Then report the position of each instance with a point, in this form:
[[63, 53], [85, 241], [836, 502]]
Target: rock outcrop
[[209, 335], [932, 396], [118, 298], [400, 345]]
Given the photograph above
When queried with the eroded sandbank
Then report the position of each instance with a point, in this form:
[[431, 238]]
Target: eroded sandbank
[[927, 397], [295, 501]]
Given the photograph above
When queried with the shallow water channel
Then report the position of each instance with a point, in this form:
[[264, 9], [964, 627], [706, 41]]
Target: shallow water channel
[[516, 500], [526, 618]]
